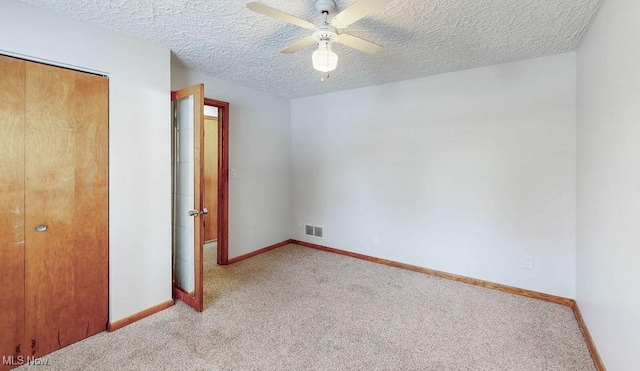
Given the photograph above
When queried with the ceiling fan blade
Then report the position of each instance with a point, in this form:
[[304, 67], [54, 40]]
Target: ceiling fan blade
[[357, 11], [358, 43], [299, 45], [279, 15]]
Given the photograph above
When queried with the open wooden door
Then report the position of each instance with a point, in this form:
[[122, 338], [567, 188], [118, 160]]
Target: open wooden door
[[188, 207]]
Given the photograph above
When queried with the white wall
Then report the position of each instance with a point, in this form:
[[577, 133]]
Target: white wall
[[608, 233], [139, 143], [259, 151], [466, 172]]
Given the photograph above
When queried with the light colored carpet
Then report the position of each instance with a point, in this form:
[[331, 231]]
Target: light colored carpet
[[296, 308]]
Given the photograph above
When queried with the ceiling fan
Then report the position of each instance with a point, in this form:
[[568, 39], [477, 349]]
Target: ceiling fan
[[324, 59]]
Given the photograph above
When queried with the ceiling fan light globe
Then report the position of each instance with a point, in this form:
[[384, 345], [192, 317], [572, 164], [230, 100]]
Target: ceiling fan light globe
[[324, 60]]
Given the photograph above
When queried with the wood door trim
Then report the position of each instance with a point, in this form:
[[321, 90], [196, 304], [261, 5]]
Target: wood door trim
[[223, 178], [215, 103], [113, 326], [211, 138]]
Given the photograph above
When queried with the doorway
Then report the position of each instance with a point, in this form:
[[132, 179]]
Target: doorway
[[217, 147]]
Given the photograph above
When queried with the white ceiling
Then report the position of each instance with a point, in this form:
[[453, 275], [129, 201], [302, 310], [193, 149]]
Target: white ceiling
[[222, 38]]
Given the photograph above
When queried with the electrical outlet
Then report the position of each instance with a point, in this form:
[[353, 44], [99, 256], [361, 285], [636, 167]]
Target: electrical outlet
[[528, 262], [300, 224], [376, 240]]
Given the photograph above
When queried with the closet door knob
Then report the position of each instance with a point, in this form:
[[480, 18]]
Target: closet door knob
[[41, 228]]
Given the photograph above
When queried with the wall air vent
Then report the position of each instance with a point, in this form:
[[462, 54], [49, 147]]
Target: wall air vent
[[313, 231]]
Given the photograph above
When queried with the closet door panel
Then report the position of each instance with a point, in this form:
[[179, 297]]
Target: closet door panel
[[66, 206], [12, 96]]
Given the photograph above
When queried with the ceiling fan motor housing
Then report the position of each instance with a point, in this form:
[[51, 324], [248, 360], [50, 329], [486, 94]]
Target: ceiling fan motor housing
[[325, 33], [325, 6]]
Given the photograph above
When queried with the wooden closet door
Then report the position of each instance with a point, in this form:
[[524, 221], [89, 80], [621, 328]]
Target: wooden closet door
[[66, 189], [12, 88]]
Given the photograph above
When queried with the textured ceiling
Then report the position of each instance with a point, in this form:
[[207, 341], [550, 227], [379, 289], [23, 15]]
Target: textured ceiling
[[222, 38]]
